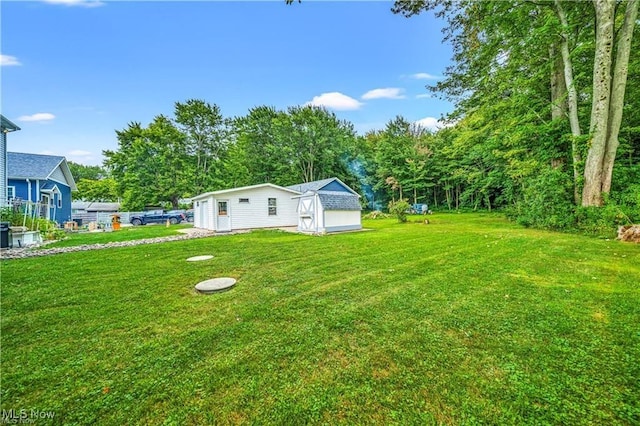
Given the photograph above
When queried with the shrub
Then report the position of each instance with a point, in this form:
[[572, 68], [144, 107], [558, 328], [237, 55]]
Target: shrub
[[376, 214], [399, 209], [547, 201], [16, 217], [602, 221]]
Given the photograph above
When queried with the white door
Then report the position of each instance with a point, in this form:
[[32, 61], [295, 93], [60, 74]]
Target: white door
[[223, 216], [203, 215], [45, 208], [307, 214]]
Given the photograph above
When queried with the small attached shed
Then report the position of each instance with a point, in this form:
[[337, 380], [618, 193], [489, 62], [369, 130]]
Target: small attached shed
[[258, 206], [327, 205]]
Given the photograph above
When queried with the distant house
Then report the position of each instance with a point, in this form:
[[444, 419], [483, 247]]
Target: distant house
[[84, 212], [323, 206], [6, 126], [44, 180]]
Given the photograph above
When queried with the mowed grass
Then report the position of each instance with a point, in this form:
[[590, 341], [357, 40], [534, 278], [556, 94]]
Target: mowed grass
[[126, 233], [470, 319]]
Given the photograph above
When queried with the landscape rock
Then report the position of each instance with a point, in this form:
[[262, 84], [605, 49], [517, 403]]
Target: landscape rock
[[629, 233], [21, 253]]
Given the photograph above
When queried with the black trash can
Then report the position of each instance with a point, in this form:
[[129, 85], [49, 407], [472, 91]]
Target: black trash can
[[4, 234], [79, 222]]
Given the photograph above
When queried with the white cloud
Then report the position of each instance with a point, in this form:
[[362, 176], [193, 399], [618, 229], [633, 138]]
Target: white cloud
[[7, 60], [335, 100], [424, 76], [386, 93], [40, 116], [423, 96], [434, 124], [47, 152], [430, 123], [81, 3]]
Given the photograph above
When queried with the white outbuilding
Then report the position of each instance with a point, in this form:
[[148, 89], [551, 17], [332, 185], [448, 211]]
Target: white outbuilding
[[322, 206], [327, 205], [258, 206]]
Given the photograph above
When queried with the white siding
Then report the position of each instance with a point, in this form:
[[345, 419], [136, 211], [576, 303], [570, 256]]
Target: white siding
[[3, 168], [255, 213], [335, 218], [202, 214], [58, 176], [210, 219]]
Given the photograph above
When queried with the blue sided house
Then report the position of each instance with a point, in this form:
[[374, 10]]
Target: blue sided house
[[42, 181]]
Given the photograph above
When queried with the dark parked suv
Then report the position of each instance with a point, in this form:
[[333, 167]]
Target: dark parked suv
[[158, 216]]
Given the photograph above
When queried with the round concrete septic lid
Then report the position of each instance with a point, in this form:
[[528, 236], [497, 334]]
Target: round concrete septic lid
[[199, 258], [214, 285]]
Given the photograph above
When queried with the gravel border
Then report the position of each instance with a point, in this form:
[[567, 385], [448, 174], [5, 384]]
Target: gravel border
[[22, 253]]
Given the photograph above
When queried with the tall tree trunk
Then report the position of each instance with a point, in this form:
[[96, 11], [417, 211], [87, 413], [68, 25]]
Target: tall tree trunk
[[447, 195], [623, 50], [605, 14], [558, 86], [572, 98]]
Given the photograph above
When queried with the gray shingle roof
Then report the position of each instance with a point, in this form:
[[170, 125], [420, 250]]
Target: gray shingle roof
[[333, 200], [311, 186], [6, 124], [31, 166], [48, 186]]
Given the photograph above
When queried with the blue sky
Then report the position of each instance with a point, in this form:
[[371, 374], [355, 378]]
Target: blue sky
[[73, 72]]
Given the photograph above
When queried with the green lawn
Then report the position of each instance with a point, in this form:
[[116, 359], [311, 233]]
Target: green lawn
[[470, 319], [126, 233]]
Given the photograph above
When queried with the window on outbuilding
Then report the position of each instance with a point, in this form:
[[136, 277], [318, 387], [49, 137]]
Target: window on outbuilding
[[222, 208], [243, 200], [11, 192], [60, 201], [272, 207]]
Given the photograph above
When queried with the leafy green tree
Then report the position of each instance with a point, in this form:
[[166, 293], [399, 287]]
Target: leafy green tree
[[319, 140], [504, 51], [399, 209], [398, 157], [150, 165], [93, 183], [105, 189], [82, 171], [301, 144], [266, 154], [207, 140]]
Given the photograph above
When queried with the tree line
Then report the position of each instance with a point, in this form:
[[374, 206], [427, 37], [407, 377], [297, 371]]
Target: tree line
[[545, 126], [543, 108]]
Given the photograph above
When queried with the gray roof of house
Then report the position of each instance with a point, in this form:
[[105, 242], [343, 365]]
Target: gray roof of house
[[37, 166], [311, 186], [97, 206], [48, 186], [319, 184], [6, 124], [31, 166], [333, 200]]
